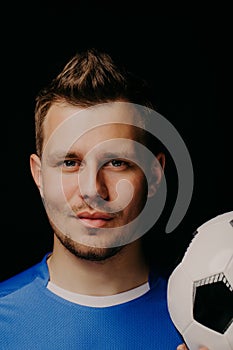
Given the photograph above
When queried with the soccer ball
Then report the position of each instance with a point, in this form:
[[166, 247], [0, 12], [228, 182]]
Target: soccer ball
[[200, 288]]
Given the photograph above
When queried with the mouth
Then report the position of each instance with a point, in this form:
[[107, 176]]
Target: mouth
[[95, 219]]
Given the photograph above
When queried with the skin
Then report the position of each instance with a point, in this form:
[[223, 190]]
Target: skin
[[77, 180], [57, 180]]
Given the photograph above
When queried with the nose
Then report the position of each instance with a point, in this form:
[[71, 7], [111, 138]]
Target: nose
[[92, 184]]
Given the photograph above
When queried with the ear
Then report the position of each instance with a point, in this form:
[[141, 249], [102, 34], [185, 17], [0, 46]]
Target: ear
[[157, 172], [35, 166]]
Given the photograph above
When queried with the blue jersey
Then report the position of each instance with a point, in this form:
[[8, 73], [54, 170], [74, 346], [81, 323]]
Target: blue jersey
[[34, 318]]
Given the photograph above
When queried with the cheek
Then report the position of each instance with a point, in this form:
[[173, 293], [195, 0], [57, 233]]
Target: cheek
[[135, 184], [140, 190], [58, 188], [111, 185], [69, 185], [119, 188]]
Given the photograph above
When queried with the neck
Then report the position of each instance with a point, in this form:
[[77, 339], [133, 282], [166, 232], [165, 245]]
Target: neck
[[125, 270]]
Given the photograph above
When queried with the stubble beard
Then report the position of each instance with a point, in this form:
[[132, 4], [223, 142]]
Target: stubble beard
[[88, 253], [81, 250]]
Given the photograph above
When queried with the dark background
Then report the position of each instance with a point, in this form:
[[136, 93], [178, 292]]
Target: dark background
[[185, 57]]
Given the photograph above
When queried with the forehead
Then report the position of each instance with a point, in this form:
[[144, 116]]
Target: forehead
[[66, 124]]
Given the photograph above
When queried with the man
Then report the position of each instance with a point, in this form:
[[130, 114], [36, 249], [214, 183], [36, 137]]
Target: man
[[97, 288]]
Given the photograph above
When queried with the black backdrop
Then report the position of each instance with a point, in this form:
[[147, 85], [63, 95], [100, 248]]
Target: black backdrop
[[185, 58]]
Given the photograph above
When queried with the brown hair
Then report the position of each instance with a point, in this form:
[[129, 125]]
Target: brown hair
[[89, 78]]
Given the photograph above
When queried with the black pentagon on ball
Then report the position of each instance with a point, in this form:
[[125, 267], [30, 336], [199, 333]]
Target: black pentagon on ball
[[213, 306]]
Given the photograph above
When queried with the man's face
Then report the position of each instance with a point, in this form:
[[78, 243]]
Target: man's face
[[92, 176]]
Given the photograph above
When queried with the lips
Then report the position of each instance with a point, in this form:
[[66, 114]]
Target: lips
[[95, 219]]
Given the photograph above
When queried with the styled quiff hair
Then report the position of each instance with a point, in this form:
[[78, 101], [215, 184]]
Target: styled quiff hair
[[89, 78]]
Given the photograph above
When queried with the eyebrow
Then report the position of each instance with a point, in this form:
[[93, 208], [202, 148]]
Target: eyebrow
[[57, 155], [107, 155], [112, 155], [130, 155]]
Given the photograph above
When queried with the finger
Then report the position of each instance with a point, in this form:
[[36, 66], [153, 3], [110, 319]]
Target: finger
[[183, 347]]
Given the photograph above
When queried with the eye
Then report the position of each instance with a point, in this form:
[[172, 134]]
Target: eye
[[70, 165], [117, 163]]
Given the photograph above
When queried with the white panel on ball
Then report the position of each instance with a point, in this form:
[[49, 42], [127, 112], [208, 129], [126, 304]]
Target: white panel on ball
[[207, 266]]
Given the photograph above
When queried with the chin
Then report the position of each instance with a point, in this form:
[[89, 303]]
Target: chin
[[87, 252], [96, 254]]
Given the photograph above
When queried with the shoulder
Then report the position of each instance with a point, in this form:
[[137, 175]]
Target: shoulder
[[24, 278]]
